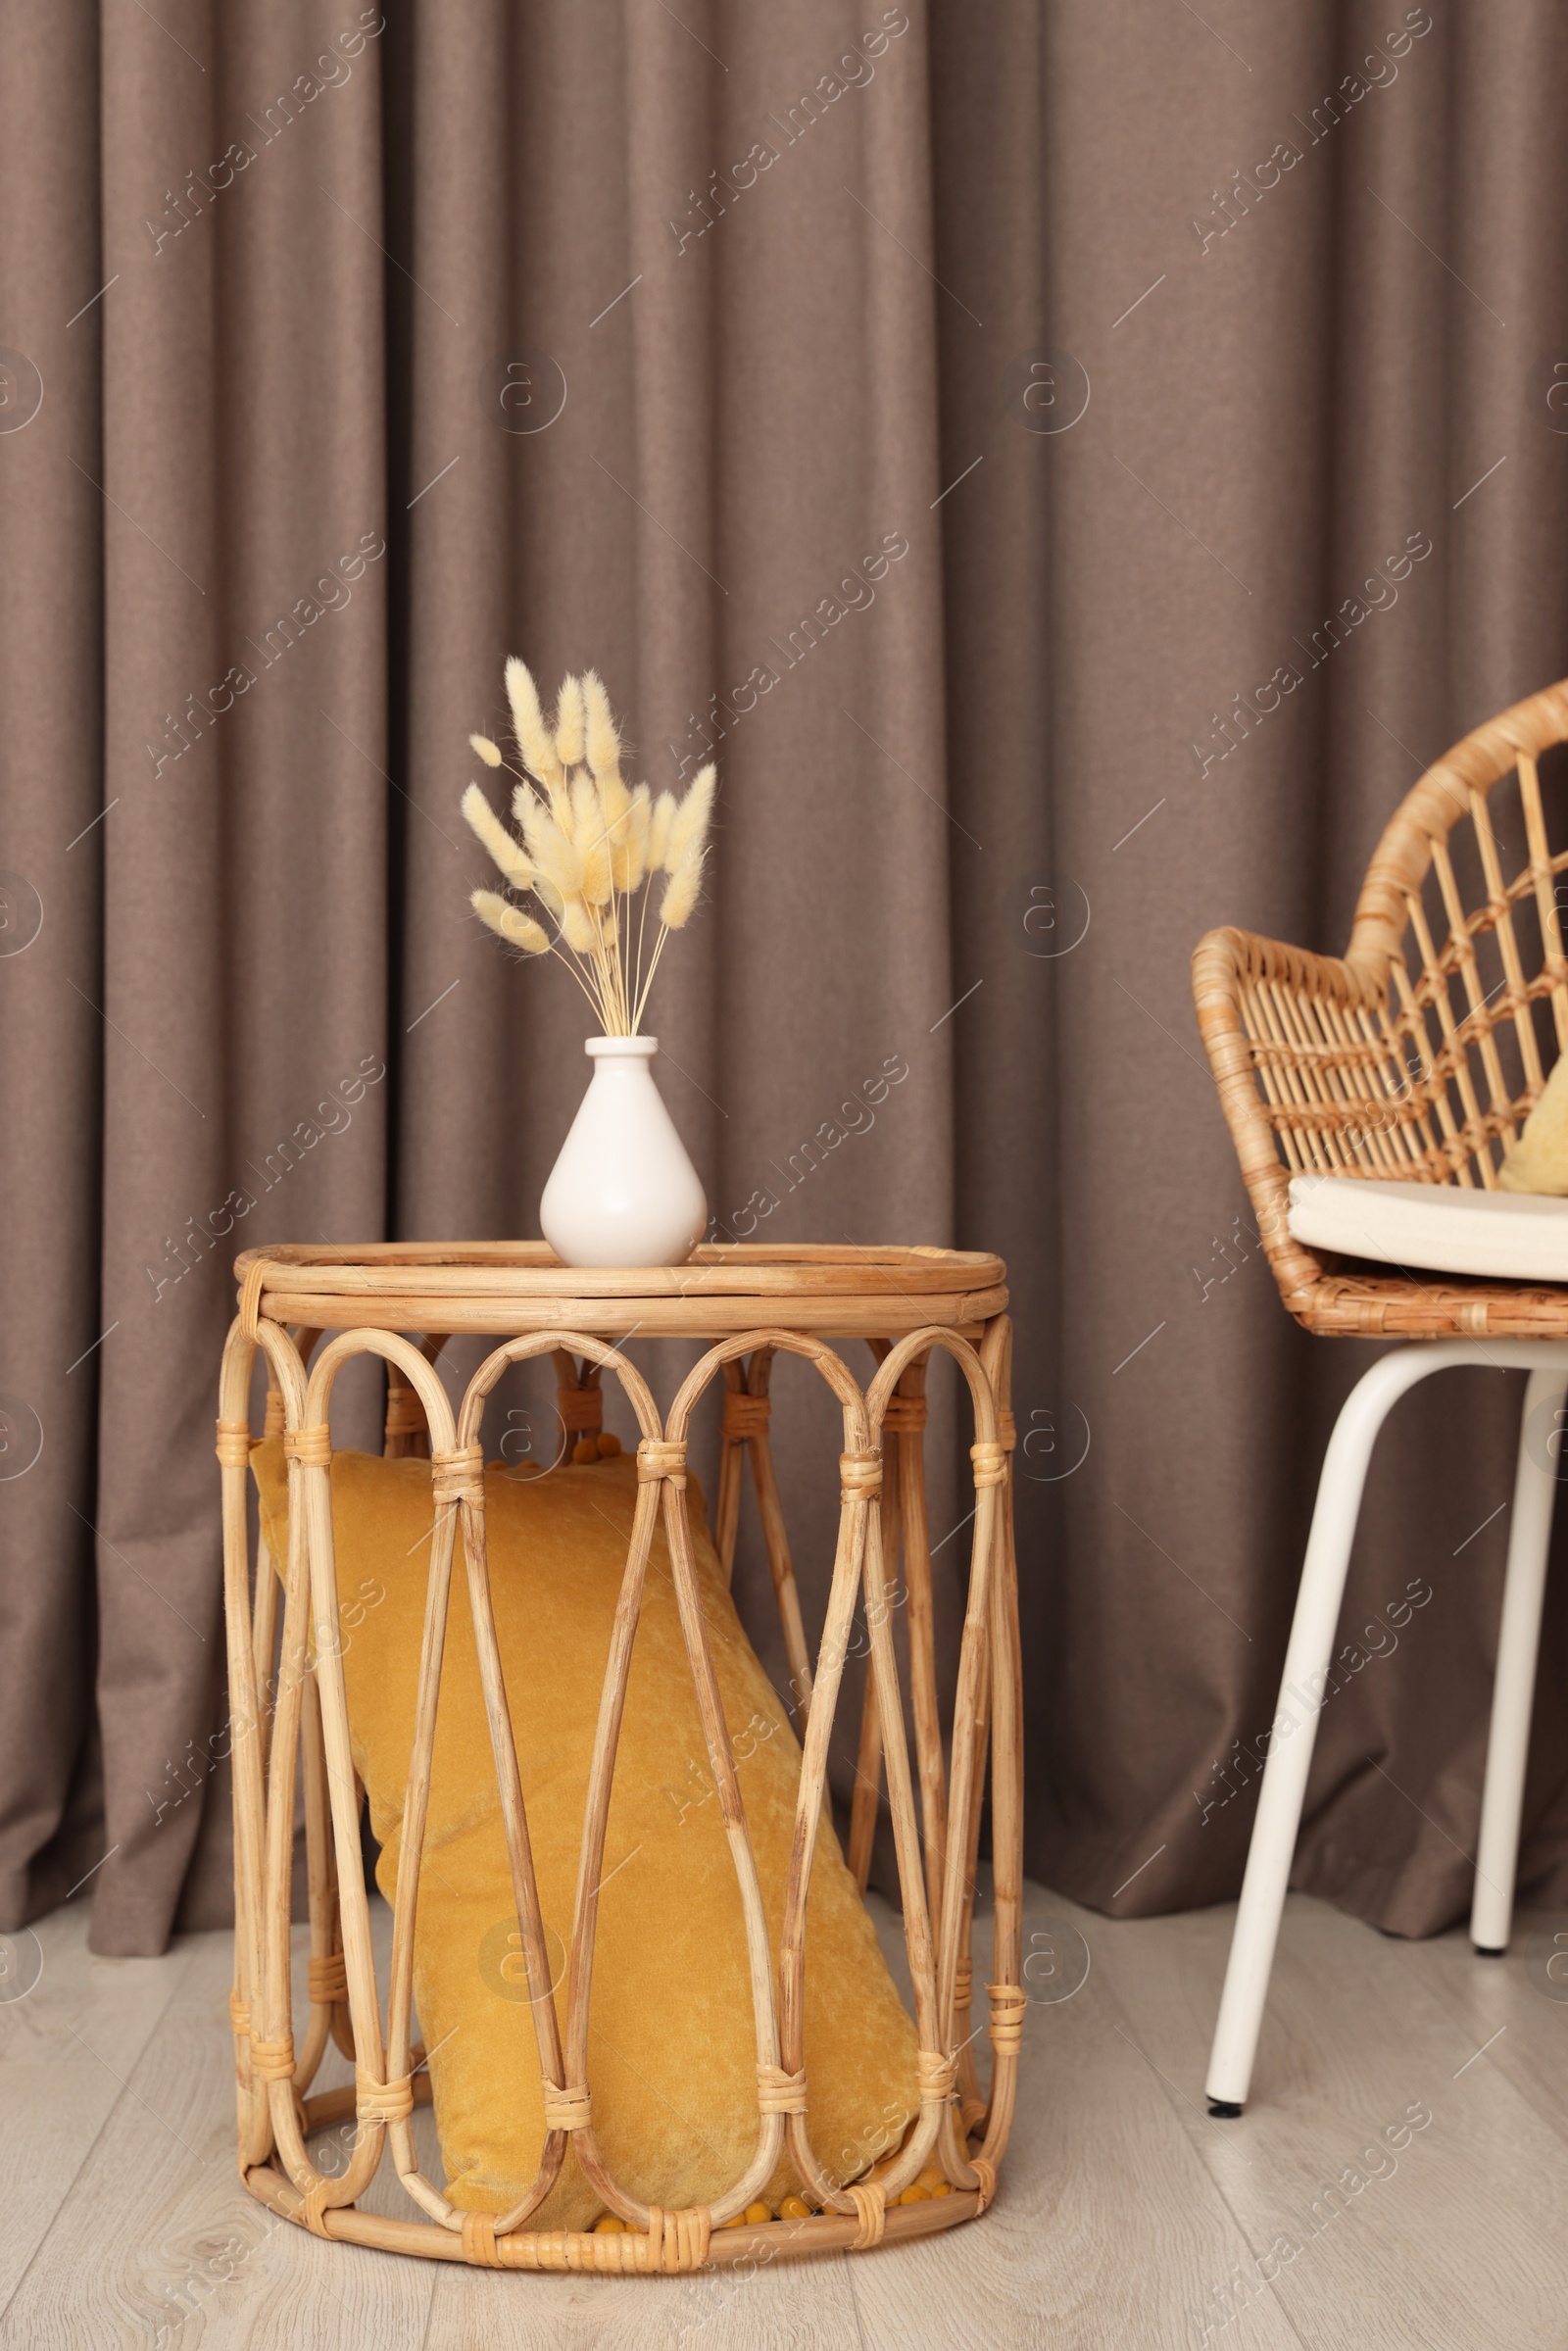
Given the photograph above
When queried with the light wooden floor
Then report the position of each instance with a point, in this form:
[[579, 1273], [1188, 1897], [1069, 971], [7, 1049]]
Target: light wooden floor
[[1126, 2217]]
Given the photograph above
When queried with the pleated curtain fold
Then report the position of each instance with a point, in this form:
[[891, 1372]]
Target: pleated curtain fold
[[1071, 467]]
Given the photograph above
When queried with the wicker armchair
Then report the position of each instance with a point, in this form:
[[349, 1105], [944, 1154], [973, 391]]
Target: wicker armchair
[[1415, 1058]]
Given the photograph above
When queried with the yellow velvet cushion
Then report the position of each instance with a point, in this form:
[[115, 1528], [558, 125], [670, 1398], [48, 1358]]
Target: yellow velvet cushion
[[1539, 1160], [672, 2052]]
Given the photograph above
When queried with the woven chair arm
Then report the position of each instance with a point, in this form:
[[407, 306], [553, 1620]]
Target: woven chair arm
[[1230, 960], [1226, 965]]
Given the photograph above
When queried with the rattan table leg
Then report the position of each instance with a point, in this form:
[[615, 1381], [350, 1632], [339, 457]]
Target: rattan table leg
[[865, 1799], [731, 1461], [776, 1536], [865, 1802], [921, 1616]]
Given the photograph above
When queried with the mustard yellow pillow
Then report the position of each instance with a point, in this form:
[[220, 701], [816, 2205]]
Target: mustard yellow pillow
[[1539, 1160], [671, 2051]]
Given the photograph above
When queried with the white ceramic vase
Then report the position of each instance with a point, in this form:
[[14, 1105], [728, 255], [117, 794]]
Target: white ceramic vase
[[623, 1191]]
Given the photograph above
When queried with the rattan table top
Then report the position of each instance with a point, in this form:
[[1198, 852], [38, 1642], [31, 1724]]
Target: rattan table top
[[511, 1287]]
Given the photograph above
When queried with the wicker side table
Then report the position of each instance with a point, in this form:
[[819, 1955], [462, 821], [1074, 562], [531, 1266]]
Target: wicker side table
[[290, 1711]]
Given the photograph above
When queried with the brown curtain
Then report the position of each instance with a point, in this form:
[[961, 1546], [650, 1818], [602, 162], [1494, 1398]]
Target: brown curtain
[[966, 422]]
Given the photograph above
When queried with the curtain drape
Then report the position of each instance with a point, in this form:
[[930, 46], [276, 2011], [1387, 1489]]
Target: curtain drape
[[1070, 466]]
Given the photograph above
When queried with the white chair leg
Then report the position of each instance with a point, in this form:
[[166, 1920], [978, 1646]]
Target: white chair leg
[[1523, 1593], [1306, 1676]]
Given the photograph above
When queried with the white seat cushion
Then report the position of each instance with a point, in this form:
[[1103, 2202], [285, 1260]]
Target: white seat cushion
[[1512, 1236]]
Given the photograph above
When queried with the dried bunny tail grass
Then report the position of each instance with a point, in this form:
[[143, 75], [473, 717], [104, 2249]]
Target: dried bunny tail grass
[[509, 923], [553, 855], [689, 826], [675, 910], [508, 854], [660, 822], [572, 720], [680, 892], [528, 810], [578, 927], [485, 750], [628, 854], [615, 801], [602, 736], [534, 738], [592, 839]]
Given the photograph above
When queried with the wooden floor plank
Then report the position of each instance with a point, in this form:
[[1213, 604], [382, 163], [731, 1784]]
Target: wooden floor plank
[[158, 2242], [1516, 2005], [1107, 2229], [1126, 2219], [58, 2005], [1400, 2186]]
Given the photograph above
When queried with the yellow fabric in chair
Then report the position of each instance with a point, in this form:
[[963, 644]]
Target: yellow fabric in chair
[[1539, 1160], [671, 2053]]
